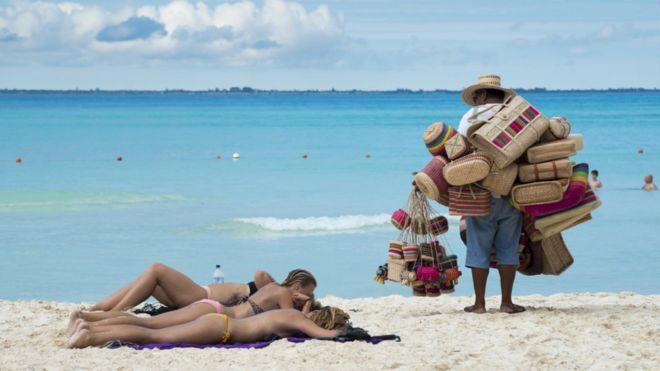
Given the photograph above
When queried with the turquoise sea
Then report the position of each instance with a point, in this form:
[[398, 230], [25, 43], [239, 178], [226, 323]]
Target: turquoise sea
[[75, 224]]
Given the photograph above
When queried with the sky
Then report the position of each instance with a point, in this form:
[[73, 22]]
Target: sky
[[317, 44]]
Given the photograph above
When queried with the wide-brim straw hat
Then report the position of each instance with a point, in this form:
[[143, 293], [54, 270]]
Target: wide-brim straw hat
[[492, 82]]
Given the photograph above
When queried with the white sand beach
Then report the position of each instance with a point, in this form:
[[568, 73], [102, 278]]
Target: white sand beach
[[596, 331]]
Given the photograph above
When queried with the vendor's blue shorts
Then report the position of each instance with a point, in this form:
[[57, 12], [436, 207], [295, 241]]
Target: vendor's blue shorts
[[501, 228]]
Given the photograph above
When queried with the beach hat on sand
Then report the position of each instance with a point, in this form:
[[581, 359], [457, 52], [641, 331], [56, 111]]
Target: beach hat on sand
[[490, 81]]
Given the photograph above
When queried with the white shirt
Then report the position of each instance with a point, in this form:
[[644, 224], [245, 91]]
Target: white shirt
[[489, 110]]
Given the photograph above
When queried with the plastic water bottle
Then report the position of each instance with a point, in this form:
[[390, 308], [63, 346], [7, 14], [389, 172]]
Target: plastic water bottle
[[218, 276]]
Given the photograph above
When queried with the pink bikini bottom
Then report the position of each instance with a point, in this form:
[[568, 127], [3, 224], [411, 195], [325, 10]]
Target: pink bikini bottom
[[216, 305]]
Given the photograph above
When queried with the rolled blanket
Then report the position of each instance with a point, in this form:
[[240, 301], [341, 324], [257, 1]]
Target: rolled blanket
[[572, 196]]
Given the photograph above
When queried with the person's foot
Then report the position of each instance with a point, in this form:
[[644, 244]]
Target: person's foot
[[81, 324], [80, 339], [477, 308], [511, 308], [73, 319]]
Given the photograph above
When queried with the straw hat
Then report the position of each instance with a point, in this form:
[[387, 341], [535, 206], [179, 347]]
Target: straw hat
[[485, 82]]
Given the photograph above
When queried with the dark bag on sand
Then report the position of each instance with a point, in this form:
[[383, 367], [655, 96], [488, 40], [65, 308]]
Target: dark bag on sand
[[535, 266], [153, 309]]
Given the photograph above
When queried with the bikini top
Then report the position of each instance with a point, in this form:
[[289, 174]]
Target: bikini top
[[255, 307]]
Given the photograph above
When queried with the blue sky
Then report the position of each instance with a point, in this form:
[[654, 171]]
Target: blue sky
[[314, 44]]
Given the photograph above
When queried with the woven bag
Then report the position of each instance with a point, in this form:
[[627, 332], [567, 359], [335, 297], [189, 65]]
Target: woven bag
[[589, 203], [537, 193], [508, 134], [457, 146], [469, 200], [559, 227], [467, 169], [559, 128], [431, 181], [572, 197], [555, 169], [535, 265], [500, 181], [436, 136], [544, 152], [578, 140], [394, 269], [556, 257]]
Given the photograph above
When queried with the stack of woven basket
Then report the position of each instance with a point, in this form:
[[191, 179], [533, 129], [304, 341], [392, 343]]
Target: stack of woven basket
[[417, 258], [519, 154]]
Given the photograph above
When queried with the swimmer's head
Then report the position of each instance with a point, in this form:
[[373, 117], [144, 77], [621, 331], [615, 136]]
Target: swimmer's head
[[594, 173], [648, 178]]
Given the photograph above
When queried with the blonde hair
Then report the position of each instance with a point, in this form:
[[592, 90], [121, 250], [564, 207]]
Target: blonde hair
[[330, 318], [300, 276]]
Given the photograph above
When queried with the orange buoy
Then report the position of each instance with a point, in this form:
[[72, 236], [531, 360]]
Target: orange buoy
[[119, 158], [19, 159], [304, 156]]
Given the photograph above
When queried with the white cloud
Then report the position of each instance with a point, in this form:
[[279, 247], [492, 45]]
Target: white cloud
[[279, 32]]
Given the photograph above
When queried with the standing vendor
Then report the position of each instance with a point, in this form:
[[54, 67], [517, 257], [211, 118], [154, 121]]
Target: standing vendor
[[501, 228]]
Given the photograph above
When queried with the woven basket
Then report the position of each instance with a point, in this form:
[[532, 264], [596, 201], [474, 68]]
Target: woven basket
[[542, 224], [556, 169], [431, 181], [500, 181], [578, 140], [508, 134], [556, 257], [537, 193], [395, 250], [559, 128], [394, 269], [457, 146], [550, 151], [419, 290], [469, 201], [467, 169], [439, 225], [436, 136], [400, 219], [559, 227], [410, 252], [535, 266]]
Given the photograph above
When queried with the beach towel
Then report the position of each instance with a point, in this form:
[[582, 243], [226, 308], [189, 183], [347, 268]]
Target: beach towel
[[256, 345]]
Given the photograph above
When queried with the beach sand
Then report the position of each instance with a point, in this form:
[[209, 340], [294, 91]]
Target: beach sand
[[568, 331]]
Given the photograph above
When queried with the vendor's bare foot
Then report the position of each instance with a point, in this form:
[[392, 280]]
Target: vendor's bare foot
[[511, 308], [478, 309], [80, 339], [73, 318]]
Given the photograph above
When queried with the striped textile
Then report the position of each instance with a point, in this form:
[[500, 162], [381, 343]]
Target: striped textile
[[437, 145], [469, 201], [572, 196], [515, 127]]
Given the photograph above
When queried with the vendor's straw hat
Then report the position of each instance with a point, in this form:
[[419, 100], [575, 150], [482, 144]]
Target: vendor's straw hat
[[485, 82]]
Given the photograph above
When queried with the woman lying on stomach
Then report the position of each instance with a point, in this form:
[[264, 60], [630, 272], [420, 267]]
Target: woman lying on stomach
[[176, 290], [298, 294], [219, 328]]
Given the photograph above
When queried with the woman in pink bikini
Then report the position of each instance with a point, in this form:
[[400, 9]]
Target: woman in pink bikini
[[295, 292], [176, 290]]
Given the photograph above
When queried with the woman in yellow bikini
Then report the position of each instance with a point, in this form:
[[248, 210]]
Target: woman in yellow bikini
[[176, 290], [216, 328], [295, 292]]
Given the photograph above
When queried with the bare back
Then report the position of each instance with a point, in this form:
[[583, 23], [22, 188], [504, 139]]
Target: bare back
[[283, 323], [272, 296]]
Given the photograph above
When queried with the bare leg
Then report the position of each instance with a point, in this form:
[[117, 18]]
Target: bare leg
[[177, 288], [112, 300], [479, 279], [92, 317], [177, 317], [204, 330], [507, 277]]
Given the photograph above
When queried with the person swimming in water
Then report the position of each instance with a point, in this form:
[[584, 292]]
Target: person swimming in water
[[649, 186]]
